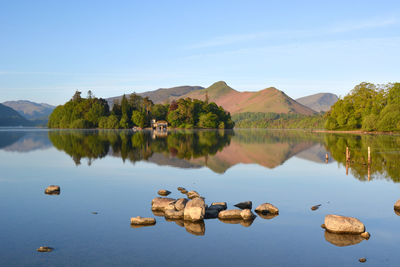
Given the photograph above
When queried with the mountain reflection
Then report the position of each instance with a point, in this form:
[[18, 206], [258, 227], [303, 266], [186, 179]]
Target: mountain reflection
[[218, 150]]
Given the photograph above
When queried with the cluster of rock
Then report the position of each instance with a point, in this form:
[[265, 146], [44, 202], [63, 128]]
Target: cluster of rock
[[190, 212]]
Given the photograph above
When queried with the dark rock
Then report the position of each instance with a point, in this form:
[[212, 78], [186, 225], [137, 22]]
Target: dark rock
[[211, 213], [244, 205], [315, 207]]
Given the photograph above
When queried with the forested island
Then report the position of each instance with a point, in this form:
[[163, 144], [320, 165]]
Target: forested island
[[134, 110]]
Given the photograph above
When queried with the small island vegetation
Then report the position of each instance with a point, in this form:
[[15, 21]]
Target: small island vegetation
[[134, 110]]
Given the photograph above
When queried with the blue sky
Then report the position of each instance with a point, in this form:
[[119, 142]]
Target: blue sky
[[49, 49]]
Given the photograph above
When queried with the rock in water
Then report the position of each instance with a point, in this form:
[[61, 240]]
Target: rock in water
[[181, 188], [343, 225], [184, 191], [162, 203], [192, 194], [174, 214], [52, 190], [247, 215], [244, 205], [143, 221], [163, 192], [365, 235], [230, 214], [219, 205], [267, 208], [315, 207], [397, 205], [180, 204], [362, 260], [211, 213], [45, 249], [195, 210]]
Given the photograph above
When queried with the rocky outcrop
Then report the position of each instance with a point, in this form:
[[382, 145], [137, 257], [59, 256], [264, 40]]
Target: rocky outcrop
[[142, 221], [162, 204], [195, 210], [267, 208], [244, 205], [52, 190], [343, 225]]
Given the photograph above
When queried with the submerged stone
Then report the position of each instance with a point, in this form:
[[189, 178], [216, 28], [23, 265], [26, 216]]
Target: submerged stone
[[45, 249]]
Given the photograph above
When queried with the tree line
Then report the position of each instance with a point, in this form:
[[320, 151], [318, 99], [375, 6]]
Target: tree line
[[134, 110]]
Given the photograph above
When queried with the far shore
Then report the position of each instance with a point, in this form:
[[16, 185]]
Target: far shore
[[355, 132]]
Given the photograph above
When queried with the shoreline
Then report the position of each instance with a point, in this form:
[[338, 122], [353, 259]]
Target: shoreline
[[356, 132]]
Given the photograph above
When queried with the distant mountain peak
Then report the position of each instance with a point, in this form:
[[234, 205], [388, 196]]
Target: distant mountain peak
[[31, 110], [319, 102]]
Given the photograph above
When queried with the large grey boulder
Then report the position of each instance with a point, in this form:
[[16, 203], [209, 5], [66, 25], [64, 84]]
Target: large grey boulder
[[143, 221], [195, 210], [174, 214], [162, 204], [343, 225], [230, 214], [244, 205], [267, 208]]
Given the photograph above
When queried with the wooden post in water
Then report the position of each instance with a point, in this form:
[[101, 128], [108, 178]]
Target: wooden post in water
[[369, 155], [326, 158]]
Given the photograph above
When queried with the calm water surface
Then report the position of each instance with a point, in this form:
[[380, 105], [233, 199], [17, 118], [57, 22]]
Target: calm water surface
[[118, 173]]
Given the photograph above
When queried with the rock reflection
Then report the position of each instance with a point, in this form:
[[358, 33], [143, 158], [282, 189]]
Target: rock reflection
[[342, 240], [245, 223], [195, 228], [267, 215], [397, 212], [158, 213]]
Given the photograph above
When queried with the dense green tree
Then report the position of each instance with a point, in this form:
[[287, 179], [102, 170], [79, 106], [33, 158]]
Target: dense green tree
[[138, 118]]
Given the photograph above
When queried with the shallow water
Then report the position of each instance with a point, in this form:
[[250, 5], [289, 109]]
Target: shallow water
[[118, 173]]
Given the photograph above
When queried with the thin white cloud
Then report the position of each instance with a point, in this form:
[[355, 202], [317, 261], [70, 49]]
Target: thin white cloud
[[350, 26]]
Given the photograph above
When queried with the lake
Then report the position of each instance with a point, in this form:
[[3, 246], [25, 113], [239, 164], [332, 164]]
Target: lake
[[116, 174]]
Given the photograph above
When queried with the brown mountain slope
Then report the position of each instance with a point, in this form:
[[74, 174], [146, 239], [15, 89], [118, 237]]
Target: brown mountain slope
[[267, 100]]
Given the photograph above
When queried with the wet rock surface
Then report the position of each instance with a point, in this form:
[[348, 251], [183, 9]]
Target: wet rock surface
[[230, 214], [343, 224], [267, 208], [162, 203]]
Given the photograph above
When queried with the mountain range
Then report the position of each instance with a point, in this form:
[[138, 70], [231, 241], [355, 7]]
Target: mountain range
[[28, 113], [266, 100]]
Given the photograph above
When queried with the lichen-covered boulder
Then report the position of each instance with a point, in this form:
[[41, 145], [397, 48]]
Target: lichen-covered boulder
[[162, 203], [143, 221], [267, 208], [195, 210], [343, 225]]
